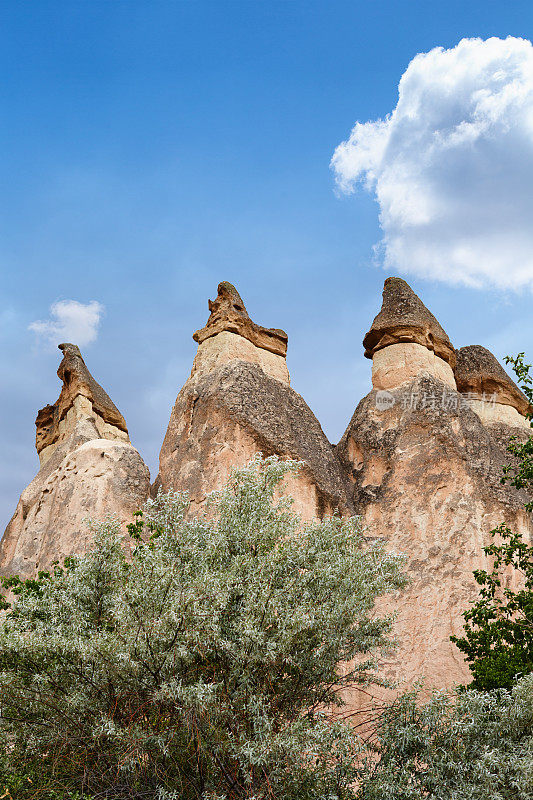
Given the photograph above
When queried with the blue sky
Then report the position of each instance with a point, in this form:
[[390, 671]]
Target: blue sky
[[150, 150]]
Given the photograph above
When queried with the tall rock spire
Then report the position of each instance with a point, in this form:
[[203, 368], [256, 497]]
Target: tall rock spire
[[80, 396], [426, 476], [405, 339], [88, 469], [237, 402]]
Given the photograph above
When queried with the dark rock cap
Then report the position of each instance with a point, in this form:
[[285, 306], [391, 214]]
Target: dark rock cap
[[405, 318], [478, 372], [228, 313], [77, 380]]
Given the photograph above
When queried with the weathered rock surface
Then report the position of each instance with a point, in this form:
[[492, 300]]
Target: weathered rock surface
[[400, 363], [405, 338], [228, 347], [237, 402], [491, 392], [426, 475], [89, 469], [405, 318], [81, 396], [228, 313]]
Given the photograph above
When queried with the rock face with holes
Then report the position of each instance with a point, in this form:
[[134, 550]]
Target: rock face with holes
[[425, 469], [88, 469], [237, 402]]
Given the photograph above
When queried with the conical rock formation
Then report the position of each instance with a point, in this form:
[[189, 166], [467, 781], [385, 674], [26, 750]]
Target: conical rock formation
[[89, 469], [80, 397], [406, 339], [426, 473], [490, 391], [237, 402]]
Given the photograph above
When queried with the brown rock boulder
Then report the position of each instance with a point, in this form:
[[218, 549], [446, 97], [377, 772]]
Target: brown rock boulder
[[405, 318], [88, 469], [228, 313]]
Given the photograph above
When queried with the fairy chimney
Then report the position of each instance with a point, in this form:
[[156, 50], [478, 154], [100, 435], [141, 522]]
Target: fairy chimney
[[405, 339], [230, 335], [238, 401], [81, 396], [89, 469], [425, 475]]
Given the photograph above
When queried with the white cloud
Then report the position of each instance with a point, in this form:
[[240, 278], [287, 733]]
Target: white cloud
[[70, 322], [452, 165]]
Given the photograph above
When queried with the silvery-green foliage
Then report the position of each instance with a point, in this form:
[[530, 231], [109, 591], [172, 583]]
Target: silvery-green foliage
[[472, 746], [202, 663]]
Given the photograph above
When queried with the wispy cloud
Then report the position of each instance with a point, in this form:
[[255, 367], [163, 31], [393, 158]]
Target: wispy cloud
[[452, 165], [70, 321]]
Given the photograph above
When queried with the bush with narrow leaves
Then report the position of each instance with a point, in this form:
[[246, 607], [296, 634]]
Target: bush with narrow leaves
[[498, 631], [203, 663], [471, 746]]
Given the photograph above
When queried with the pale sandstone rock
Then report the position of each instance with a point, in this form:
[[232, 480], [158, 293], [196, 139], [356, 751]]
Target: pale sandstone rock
[[426, 477], [225, 347], [491, 413], [222, 418], [89, 469], [80, 409], [238, 402], [80, 396], [400, 363]]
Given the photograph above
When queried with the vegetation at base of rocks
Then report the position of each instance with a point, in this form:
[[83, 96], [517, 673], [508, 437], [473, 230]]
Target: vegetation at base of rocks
[[498, 637], [520, 474], [204, 662], [471, 746], [26, 779]]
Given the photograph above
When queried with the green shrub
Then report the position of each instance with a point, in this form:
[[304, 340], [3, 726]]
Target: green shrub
[[498, 637], [471, 746], [201, 665]]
